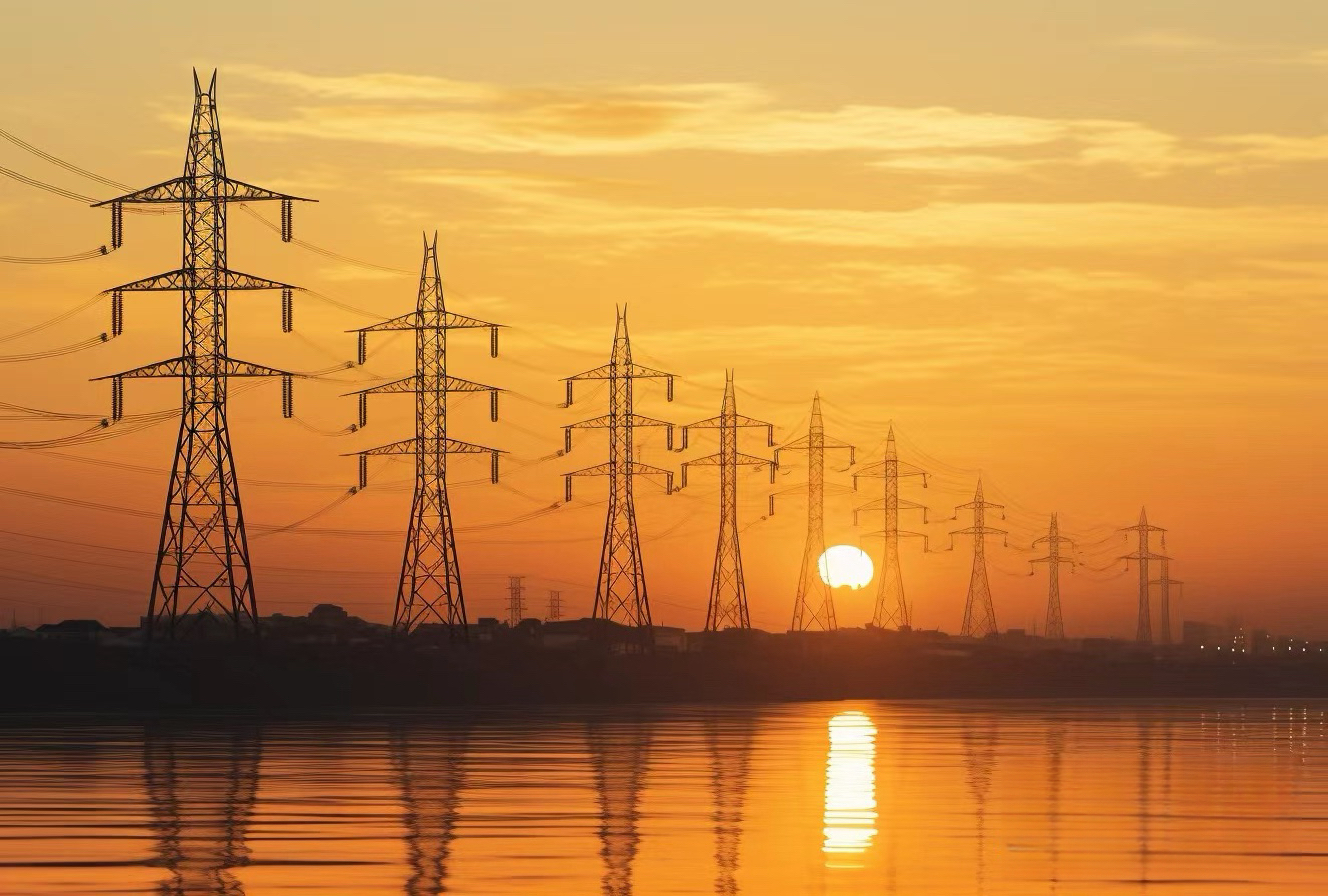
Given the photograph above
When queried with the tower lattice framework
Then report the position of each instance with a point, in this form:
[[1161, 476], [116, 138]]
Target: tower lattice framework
[[727, 607], [202, 570], [892, 608], [430, 589], [1142, 529], [1164, 583], [1055, 626], [620, 591], [814, 606], [979, 611]]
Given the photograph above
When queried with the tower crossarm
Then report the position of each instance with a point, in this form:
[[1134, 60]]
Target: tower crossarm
[[979, 530], [616, 372], [411, 446], [879, 470], [1051, 559], [974, 505], [184, 366], [1143, 555], [185, 189], [738, 459], [884, 504], [804, 444], [429, 320], [411, 384], [633, 468], [903, 533], [174, 281], [606, 421]]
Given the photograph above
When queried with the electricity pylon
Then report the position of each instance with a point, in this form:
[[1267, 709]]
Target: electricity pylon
[[979, 612], [814, 605], [892, 609], [728, 591], [516, 600], [620, 593], [555, 606], [1055, 627], [430, 588], [1144, 630], [202, 565], [1165, 581]]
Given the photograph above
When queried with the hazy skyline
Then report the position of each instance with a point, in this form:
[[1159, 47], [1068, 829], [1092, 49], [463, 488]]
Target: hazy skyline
[[1103, 288]]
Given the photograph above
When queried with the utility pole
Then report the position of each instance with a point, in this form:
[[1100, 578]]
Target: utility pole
[[430, 590], [1144, 630], [892, 609], [516, 601], [202, 569], [1166, 581], [620, 592], [1055, 627], [814, 605], [979, 612], [727, 607], [555, 606]]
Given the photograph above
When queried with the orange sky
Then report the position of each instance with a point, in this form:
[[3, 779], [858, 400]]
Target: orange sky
[[1078, 249]]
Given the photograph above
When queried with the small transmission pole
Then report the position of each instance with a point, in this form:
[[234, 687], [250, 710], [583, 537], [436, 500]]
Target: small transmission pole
[[814, 605], [555, 606], [892, 610], [979, 612], [202, 568], [728, 591], [1053, 540], [1144, 630], [1165, 582], [430, 588], [620, 593], [516, 601]]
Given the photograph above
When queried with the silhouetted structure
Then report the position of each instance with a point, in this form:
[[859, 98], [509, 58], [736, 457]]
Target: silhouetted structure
[[892, 609], [516, 600], [431, 589], [430, 770], [727, 607], [979, 611], [619, 752], [1144, 630], [1164, 583], [620, 592], [201, 786], [202, 569], [730, 755], [814, 606], [1055, 626]]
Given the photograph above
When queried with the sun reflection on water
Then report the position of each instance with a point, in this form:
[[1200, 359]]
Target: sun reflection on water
[[850, 790]]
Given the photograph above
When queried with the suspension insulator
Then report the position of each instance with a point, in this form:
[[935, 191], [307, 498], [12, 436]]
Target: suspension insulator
[[287, 220], [770, 441], [668, 439], [493, 342], [117, 225], [117, 398], [569, 393], [493, 467], [287, 310], [362, 348], [117, 313], [669, 390], [684, 476], [684, 438], [364, 471], [567, 440], [287, 396], [668, 484], [364, 410], [567, 488], [772, 477], [493, 407], [771, 511]]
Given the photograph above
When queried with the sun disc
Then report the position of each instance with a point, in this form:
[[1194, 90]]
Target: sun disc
[[845, 565]]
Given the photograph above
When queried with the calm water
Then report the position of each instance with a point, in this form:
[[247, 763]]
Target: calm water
[[823, 798]]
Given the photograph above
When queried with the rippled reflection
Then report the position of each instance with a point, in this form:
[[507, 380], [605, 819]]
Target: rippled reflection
[[618, 752], [850, 789], [201, 785], [730, 754], [430, 770], [980, 760]]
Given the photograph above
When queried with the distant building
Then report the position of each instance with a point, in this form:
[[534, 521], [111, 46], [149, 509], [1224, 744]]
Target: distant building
[[89, 630]]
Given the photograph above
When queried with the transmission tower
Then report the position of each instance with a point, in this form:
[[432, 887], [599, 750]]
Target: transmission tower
[[555, 606], [892, 610], [728, 592], [979, 613], [1165, 582], [814, 605], [430, 590], [1144, 631], [202, 570], [516, 601], [620, 593], [1055, 627]]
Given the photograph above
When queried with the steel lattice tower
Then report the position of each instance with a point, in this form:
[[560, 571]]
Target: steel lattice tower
[[202, 569], [1055, 627], [620, 593], [516, 600], [1165, 581], [1144, 630], [727, 607], [808, 611], [430, 590], [892, 609], [979, 612]]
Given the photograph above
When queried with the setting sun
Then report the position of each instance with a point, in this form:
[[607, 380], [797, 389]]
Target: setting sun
[[844, 564]]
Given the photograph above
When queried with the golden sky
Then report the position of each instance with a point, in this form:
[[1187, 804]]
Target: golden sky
[[1079, 247]]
